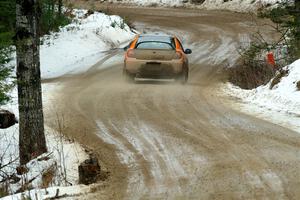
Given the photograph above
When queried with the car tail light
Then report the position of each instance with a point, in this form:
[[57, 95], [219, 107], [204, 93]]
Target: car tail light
[[178, 55], [130, 53]]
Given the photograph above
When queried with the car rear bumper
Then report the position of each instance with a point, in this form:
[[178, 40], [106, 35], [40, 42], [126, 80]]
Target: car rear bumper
[[153, 69]]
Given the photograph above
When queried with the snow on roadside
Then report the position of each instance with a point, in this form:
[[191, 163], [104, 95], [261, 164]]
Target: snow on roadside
[[232, 5], [82, 43], [63, 157], [241, 5], [79, 45], [50, 193], [280, 104]]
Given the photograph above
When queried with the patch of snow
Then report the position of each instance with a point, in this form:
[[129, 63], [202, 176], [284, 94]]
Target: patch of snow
[[265, 178], [226, 51], [253, 179], [240, 5], [273, 181], [280, 104], [127, 157], [49, 193]]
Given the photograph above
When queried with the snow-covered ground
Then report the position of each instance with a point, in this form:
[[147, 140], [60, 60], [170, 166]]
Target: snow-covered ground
[[79, 45], [74, 49], [61, 160], [50, 193], [280, 104], [82, 43], [233, 5], [240, 5]]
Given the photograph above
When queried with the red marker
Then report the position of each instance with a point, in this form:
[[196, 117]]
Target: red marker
[[271, 59]]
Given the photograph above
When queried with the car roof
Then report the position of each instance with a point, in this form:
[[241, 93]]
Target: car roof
[[159, 38]]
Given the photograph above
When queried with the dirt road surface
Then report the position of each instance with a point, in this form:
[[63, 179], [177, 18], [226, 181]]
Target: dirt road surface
[[161, 140]]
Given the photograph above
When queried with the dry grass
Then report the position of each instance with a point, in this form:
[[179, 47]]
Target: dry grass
[[278, 78], [103, 175], [129, 22], [47, 176], [154, 5], [3, 190], [298, 85], [251, 75], [89, 12]]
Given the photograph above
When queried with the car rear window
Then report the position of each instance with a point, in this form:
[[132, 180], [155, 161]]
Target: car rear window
[[155, 42], [154, 45]]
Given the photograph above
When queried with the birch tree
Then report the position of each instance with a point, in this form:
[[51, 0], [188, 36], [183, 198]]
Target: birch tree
[[31, 121]]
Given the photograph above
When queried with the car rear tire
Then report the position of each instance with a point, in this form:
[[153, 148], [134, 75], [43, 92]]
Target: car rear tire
[[184, 76]]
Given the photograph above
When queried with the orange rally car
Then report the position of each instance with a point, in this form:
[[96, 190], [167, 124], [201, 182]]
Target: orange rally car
[[156, 56]]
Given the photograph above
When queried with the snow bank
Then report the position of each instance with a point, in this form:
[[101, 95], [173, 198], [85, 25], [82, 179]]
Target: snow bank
[[282, 99], [50, 193], [63, 156], [240, 5], [82, 43], [233, 5]]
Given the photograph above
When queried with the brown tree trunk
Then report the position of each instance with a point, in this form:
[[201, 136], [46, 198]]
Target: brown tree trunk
[[297, 8], [60, 4], [32, 141]]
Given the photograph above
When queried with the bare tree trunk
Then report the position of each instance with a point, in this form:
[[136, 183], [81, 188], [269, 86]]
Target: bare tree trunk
[[32, 141], [60, 4], [52, 6], [297, 8]]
